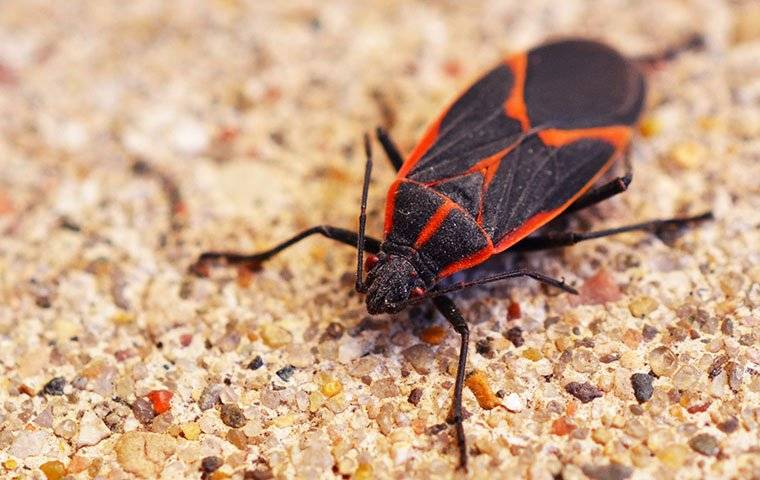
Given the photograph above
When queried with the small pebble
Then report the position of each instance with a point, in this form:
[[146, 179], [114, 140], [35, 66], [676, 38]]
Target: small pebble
[[730, 425], [54, 386], [735, 375], [662, 361], [598, 289], [256, 363], [686, 377], [433, 335], [237, 438], [161, 400], [286, 372], [143, 411], [191, 430], [53, 470], [532, 354], [232, 416], [585, 392], [335, 330], [331, 387], [275, 336], [514, 335], [384, 388], [514, 403], [562, 426], [485, 348], [640, 307], [91, 430], [210, 396], [612, 471], [674, 455], [705, 444], [477, 382], [415, 396], [421, 357], [642, 386], [211, 464]]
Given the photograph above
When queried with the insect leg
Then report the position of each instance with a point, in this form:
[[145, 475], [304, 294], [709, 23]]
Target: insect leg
[[652, 61], [603, 192], [390, 148], [563, 239], [360, 285], [454, 317], [255, 260]]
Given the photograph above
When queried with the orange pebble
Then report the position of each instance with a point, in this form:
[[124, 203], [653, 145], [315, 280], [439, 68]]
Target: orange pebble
[[478, 384], [561, 426], [161, 400], [433, 335]]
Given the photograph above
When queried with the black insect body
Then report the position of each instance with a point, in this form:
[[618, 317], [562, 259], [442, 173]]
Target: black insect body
[[523, 145]]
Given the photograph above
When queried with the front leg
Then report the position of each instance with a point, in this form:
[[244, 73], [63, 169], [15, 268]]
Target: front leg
[[449, 310], [254, 260]]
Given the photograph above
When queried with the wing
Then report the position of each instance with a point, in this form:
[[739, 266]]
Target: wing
[[516, 149], [476, 126], [535, 181]]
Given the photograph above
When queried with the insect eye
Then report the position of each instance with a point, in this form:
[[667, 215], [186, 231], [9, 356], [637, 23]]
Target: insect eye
[[417, 292], [370, 262]]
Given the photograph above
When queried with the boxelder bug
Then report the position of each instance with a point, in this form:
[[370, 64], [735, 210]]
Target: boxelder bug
[[522, 146]]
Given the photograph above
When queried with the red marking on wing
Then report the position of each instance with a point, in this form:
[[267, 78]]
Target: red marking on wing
[[390, 205], [434, 223], [515, 104], [423, 146], [617, 135], [476, 258]]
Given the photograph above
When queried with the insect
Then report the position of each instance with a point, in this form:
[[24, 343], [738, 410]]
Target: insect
[[524, 144]]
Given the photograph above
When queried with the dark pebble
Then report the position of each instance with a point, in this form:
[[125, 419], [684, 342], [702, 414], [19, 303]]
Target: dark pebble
[[286, 372], [260, 474], [514, 335], [211, 464], [143, 411], [648, 332], [436, 429], [727, 327], [609, 357], [485, 348], [232, 416], [585, 392], [414, 396], [256, 363], [642, 386], [54, 386], [705, 444], [636, 409], [210, 396], [335, 330], [730, 425], [717, 366], [612, 471]]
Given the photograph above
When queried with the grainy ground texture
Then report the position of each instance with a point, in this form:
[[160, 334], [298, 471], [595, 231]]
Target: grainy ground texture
[[134, 135]]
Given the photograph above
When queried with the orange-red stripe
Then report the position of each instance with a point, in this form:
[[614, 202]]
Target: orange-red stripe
[[476, 258], [423, 146], [618, 135], [390, 205], [434, 223], [515, 106]]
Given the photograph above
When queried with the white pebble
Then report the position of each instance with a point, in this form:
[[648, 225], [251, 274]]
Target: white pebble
[[91, 430], [514, 403]]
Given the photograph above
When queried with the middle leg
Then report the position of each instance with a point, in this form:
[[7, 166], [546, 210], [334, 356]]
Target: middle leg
[[449, 310], [564, 239]]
